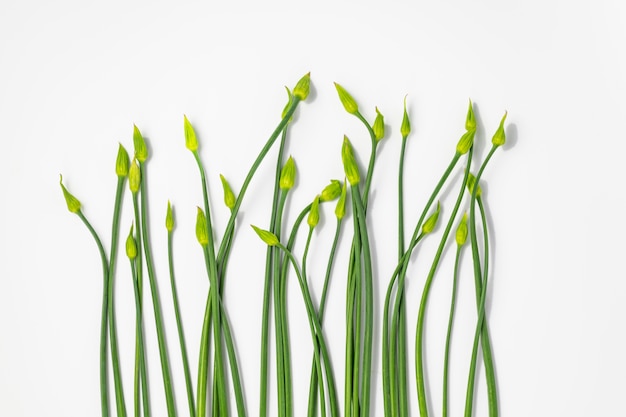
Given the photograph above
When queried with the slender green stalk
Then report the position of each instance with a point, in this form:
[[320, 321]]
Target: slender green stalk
[[104, 385], [281, 360], [480, 285], [267, 288], [316, 329], [141, 377], [314, 376], [419, 357], [156, 302], [213, 296], [369, 302], [117, 375], [318, 369], [139, 336], [179, 326], [403, 402], [446, 359]]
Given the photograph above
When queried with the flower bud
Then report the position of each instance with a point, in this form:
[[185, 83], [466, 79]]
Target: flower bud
[[141, 150], [405, 127], [331, 191], [465, 143], [471, 182], [134, 177], [202, 231], [131, 245], [229, 196], [379, 126], [302, 88], [470, 119], [122, 162], [314, 214], [288, 175], [268, 237], [349, 103], [191, 141], [340, 210], [431, 222], [461, 231], [169, 218], [499, 138], [73, 205], [349, 162]]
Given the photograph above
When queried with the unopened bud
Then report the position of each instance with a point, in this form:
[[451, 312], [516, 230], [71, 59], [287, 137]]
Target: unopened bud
[[331, 191], [471, 182], [461, 231], [340, 210], [314, 214], [141, 150], [349, 103], [379, 126], [470, 119], [349, 162], [466, 142], [229, 196], [202, 231], [431, 222], [73, 205], [122, 162], [266, 236], [131, 245], [499, 138], [134, 177], [191, 141], [169, 218], [405, 127], [302, 88], [288, 175]]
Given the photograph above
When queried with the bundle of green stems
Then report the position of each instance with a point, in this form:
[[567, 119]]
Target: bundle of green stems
[[219, 376]]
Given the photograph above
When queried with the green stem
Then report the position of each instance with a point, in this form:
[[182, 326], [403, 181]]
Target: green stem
[[179, 326], [213, 295], [267, 288], [156, 302], [316, 329], [402, 385], [104, 384], [141, 377], [281, 361], [117, 375], [446, 359], [369, 303], [318, 369], [478, 283], [314, 376], [139, 340], [419, 357]]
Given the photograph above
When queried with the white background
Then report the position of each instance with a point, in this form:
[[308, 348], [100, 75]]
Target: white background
[[76, 75]]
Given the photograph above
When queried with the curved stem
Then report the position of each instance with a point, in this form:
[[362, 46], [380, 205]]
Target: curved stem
[[179, 326], [141, 377], [419, 357], [104, 385], [117, 375], [267, 288], [485, 340], [156, 302], [446, 359], [314, 376]]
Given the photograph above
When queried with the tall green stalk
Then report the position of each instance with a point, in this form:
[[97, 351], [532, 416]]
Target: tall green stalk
[[141, 154]]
